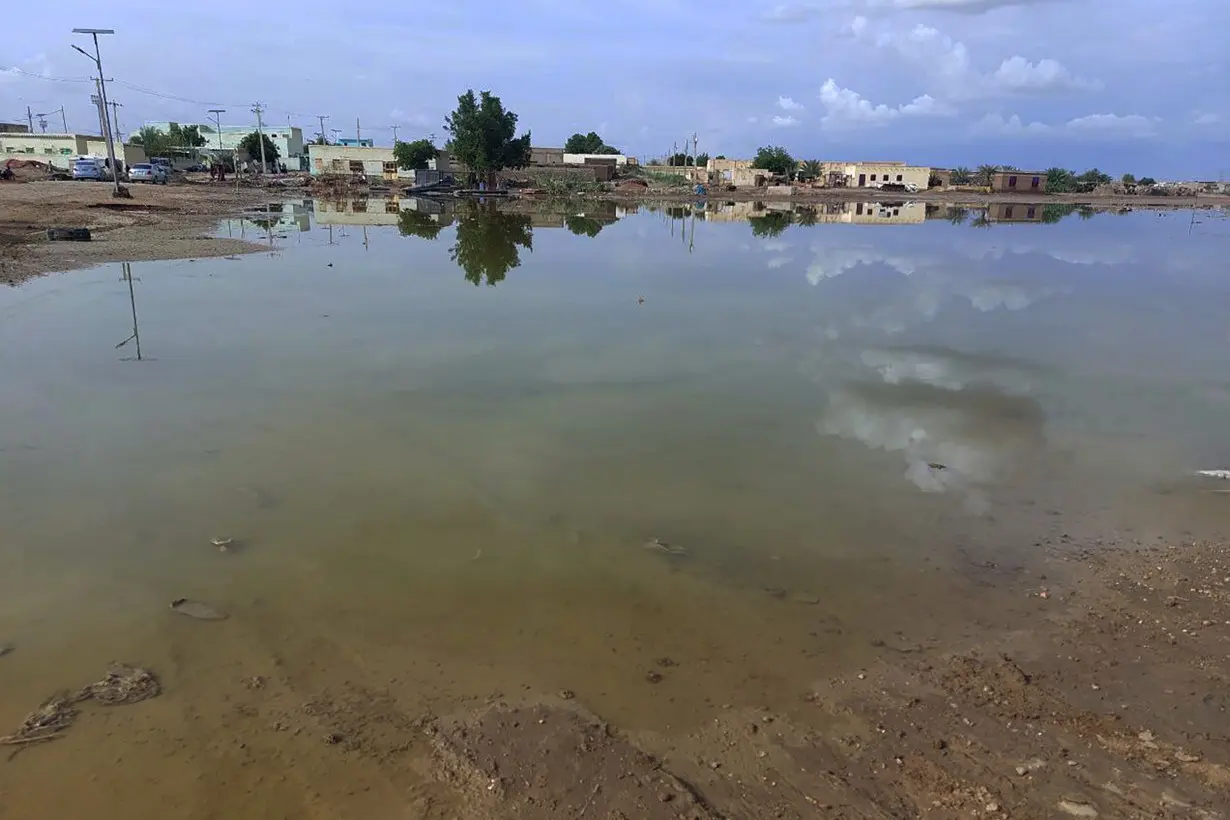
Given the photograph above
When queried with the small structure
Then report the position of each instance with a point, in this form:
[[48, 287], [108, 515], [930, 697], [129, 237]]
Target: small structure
[[942, 177], [873, 175], [287, 139], [546, 156], [60, 150], [1022, 212], [356, 142], [356, 161], [1025, 182], [14, 128]]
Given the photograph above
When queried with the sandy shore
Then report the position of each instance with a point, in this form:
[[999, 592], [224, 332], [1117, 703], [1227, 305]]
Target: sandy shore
[[159, 222]]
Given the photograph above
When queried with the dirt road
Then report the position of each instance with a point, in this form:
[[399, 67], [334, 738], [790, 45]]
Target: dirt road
[[159, 222]]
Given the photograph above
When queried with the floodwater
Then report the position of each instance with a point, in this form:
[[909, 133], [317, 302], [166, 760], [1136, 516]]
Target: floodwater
[[443, 439]]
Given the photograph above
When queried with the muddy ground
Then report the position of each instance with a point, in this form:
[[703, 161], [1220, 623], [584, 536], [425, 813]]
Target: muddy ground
[[1091, 683], [158, 222]]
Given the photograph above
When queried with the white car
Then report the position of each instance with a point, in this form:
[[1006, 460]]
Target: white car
[[148, 172]]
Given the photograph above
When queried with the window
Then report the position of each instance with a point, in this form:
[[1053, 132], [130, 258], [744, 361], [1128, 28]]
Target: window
[[1029, 214], [49, 150], [873, 177], [1035, 183], [356, 166], [858, 209], [390, 167], [1008, 210], [898, 177], [1011, 182]]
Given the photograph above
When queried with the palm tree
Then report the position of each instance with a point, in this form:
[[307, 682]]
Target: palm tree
[[986, 174], [810, 170], [958, 215], [962, 176]]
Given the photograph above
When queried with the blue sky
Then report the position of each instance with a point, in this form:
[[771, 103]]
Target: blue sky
[[1128, 85]]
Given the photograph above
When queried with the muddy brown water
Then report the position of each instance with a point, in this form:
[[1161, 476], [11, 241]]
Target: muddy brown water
[[443, 438]]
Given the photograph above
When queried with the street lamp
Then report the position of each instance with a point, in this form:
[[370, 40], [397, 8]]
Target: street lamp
[[102, 90]]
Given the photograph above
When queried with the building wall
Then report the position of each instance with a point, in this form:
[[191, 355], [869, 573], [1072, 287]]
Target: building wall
[[872, 174], [288, 140], [546, 156], [1025, 182], [345, 160], [579, 159], [14, 128], [59, 150], [1020, 212]]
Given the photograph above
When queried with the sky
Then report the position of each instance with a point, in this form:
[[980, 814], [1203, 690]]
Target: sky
[[1139, 86]]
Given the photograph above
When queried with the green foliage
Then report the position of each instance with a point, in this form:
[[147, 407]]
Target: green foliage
[[962, 176], [770, 224], [664, 178], [774, 159], [806, 216], [958, 215], [702, 160], [1147, 181], [1128, 179], [185, 136], [1059, 181], [583, 225], [1054, 213], [720, 156], [251, 145], [810, 170], [986, 174], [983, 220], [153, 140], [487, 243], [417, 223], [679, 160], [589, 143], [414, 155], [483, 135], [567, 186], [1093, 178]]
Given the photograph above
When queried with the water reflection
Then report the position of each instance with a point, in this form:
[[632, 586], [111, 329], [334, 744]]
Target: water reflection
[[487, 242]]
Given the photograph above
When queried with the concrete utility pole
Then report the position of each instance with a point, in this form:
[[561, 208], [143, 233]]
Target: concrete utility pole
[[260, 133], [358, 135], [42, 123], [97, 100], [115, 118], [322, 119], [394, 135], [102, 92], [30, 119], [218, 112]]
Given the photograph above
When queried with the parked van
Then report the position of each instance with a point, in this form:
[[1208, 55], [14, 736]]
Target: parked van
[[91, 168]]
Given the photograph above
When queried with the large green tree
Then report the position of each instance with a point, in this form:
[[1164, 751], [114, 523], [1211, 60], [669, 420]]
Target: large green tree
[[487, 242], [771, 224], [775, 159], [589, 143], [962, 175], [483, 135], [414, 155], [810, 170], [153, 140], [251, 145], [1060, 180], [417, 223], [185, 136]]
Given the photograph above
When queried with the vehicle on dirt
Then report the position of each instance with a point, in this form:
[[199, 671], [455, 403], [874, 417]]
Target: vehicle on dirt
[[148, 172], [91, 168]]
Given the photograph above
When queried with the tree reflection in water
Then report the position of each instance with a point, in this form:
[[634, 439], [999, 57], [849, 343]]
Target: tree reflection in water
[[582, 225], [487, 242], [418, 223]]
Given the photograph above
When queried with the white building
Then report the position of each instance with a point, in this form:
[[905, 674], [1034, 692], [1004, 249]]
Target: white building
[[59, 150], [287, 139]]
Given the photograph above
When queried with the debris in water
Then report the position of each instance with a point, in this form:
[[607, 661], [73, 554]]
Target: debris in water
[[121, 685], [663, 546], [640, 300], [223, 544], [197, 609], [477, 555], [653, 677], [5, 648], [1223, 474]]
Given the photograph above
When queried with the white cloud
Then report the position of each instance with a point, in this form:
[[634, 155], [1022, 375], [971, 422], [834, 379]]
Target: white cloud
[[948, 62], [830, 262], [400, 116], [995, 124], [779, 262], [785, 122], [788, 104], [753, 120], [1100, 125], [964, 6], [845, 106], [1016, 74], [1131, 125], [1206, 118]]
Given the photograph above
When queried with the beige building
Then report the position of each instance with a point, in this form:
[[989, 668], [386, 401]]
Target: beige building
[[354, 160], [1025, 182], [872, 175], [59, 150], [736, 172]]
